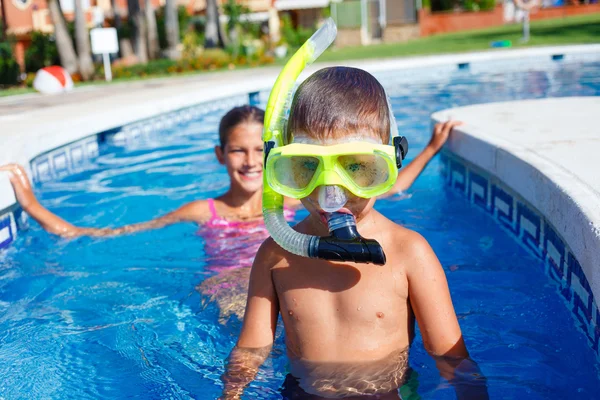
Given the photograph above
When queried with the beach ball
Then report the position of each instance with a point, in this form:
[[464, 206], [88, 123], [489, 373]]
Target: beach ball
[[52, 80]]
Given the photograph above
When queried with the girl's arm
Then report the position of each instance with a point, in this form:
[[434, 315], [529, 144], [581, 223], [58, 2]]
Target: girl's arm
[[411, 172], [196, 211]]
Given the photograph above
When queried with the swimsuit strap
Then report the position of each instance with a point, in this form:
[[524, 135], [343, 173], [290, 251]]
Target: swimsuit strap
[[213, 210]]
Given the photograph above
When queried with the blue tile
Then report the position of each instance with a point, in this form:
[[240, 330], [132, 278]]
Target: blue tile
[[77, 156], [43, 169], [557, 265], [531, 241], [566, 292], [5, 227], [580, 304], [20, 218], [478, 199], [60, 162], [458, 169], [506, 218], [254, 99]]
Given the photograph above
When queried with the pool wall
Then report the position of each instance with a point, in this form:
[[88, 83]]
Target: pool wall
[[532, 165], [535, 232], [51, 151]]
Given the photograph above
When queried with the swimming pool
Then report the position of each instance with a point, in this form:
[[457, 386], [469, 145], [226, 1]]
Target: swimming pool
[[115, 318]]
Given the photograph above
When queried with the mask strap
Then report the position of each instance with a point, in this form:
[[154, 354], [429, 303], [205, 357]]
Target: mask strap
[[393, 124]]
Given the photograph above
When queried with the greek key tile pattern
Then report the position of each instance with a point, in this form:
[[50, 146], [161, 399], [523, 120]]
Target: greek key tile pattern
[[534, 233]]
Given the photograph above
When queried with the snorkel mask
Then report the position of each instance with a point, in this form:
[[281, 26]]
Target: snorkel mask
[[297, 169]]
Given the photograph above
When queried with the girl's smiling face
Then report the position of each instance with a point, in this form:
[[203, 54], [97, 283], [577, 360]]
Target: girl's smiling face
[[243, 156]]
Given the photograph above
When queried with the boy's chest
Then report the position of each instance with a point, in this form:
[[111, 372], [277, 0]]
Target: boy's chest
[[314, 292]]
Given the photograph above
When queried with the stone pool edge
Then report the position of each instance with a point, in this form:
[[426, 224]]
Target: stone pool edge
[[551, 213]]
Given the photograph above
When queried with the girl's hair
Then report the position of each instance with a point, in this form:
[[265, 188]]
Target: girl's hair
[[237, 116], [336, 101]]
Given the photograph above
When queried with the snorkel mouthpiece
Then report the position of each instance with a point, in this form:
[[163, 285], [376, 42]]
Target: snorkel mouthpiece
[[332, 198], [345, 243]]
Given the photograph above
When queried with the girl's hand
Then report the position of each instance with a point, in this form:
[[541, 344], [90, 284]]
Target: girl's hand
[[20, 183], [440, 134]]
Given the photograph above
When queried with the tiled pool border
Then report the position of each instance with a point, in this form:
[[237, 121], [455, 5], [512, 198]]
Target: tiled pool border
[[534, 232]]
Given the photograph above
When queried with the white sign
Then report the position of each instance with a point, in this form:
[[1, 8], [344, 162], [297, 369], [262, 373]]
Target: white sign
[[104, 40]]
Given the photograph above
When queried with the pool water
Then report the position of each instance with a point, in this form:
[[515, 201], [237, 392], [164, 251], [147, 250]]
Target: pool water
[[122, 318]]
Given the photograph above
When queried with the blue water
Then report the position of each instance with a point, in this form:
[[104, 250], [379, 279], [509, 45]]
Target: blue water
[[121, 317]]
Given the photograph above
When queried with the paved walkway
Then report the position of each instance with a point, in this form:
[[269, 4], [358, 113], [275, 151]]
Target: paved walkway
[[11, 105]]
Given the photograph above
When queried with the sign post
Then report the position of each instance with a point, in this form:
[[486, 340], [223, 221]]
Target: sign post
[[105, 42]]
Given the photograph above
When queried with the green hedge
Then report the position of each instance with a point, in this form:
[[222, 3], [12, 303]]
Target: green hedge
[[41, 53], [9, 68]]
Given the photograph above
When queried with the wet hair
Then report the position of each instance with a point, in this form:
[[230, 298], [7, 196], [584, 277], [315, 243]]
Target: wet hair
[[237, 116], [337, 100]]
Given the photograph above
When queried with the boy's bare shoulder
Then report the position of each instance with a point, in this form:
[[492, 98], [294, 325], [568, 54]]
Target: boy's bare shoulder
[[406, 243], [270, 254]]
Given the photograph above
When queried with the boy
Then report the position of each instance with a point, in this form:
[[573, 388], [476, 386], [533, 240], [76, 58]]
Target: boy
[[348, 326]]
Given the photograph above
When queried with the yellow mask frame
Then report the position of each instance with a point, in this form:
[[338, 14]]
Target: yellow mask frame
[[331, 168]]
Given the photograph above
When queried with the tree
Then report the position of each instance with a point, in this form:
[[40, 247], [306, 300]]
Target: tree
[[116, 15], [153, 45], [234, 12], [213, 37], [82, 39], [137, 22], [172, 29], [66, 52]]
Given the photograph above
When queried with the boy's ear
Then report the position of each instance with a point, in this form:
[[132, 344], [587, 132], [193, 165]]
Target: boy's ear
[[220, 155]]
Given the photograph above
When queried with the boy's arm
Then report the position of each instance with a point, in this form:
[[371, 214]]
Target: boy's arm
[[430, 300], [258, 330], [411, 172], [58, 226]]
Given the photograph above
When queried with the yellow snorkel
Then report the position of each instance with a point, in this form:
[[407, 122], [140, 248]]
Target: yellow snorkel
[[276, 116], [344, 242]]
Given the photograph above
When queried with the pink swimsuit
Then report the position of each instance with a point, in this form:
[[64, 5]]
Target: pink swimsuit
[[233, 244]]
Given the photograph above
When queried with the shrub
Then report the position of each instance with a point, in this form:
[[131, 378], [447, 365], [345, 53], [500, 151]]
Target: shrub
[[294, 37], [479, 5], [210, 59], [442, 5], [9, 68], [41, 53]]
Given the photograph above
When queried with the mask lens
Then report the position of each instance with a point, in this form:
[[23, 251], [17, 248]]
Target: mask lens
[[365, 170], [295, 171]]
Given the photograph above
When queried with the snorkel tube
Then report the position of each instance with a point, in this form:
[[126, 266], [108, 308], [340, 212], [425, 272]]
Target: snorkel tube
[[344, 242]]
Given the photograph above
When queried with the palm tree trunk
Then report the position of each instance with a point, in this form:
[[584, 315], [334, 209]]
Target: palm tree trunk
[[64, 44], [153, 46], [212, 33], [82, 39], [139, 30], [172, 28]]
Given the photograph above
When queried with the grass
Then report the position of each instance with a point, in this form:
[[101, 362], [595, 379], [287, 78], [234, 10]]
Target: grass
[[571, 30], [15, 91]]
